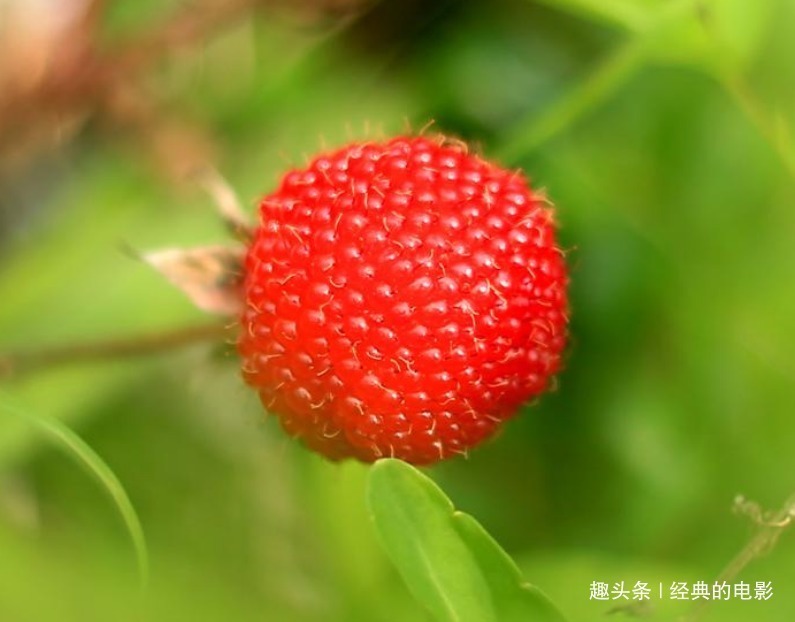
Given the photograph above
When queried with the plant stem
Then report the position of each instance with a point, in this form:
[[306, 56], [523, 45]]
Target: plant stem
[[14, 364], [763, 541]]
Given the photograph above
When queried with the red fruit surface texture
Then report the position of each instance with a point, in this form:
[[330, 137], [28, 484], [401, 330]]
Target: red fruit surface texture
[[403, 299]]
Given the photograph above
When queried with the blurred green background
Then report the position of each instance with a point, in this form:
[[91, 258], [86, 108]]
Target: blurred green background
[[661, 130]]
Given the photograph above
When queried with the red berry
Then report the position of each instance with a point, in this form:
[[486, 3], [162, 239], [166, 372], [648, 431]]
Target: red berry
[[402, 299]]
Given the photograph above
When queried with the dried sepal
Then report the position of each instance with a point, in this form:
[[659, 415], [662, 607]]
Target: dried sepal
[[226, 203], [211, 276]]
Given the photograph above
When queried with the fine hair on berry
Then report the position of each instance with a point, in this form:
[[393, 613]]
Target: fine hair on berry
[[402, 298]]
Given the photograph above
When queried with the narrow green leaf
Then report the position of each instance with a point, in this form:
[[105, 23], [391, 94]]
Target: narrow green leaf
[[445, 557], [75, 447], [527, 135]]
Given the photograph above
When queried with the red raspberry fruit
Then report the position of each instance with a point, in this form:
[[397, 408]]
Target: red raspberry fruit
[[402, 299]]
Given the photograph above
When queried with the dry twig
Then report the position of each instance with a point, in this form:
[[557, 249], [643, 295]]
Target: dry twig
[[16, 364], [769, 528]]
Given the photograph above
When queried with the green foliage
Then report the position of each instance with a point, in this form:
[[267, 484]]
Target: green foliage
[[450, 563], [662, 130]]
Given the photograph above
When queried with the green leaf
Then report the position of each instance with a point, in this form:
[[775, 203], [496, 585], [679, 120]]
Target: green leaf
[[740, 27], [717, 35], [83, 454], [608, 78], [449, 562], [514, 598]]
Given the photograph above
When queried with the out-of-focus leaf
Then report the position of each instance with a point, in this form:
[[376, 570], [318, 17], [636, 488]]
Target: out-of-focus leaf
[[609, 77], [446, 558], [739, 27], [680, 37], [720, 35]]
